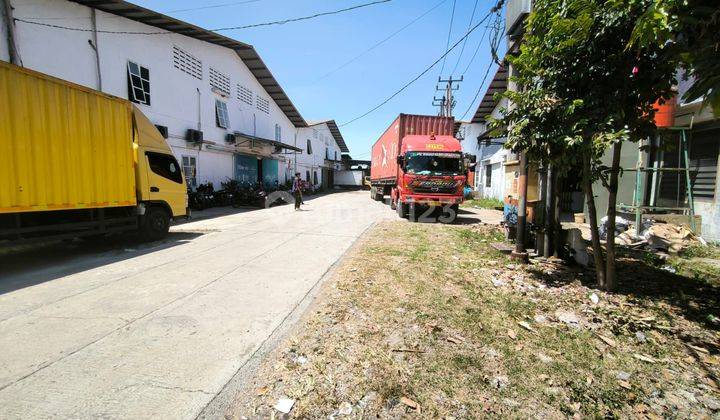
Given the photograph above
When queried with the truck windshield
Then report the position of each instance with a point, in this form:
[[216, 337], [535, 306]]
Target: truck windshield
[[427, 163]]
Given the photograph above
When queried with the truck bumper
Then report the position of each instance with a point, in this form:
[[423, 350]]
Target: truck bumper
[[431, 200]]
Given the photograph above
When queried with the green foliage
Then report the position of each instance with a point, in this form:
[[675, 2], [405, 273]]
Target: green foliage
[[582, 89], [689, 33]]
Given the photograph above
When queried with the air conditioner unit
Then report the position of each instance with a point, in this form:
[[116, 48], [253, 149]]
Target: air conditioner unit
[[163, 130], [230, 138], [195, 136]]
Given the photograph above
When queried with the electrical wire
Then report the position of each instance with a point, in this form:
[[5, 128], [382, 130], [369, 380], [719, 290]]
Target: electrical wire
[[447, 44], [427, 69], [477, 49], [462, 49], [379, 43], [230, 28], [487, 72], [494, 43], [236, 3]]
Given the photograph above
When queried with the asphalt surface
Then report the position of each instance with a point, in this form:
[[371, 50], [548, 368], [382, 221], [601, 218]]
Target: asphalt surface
[[119, 329]]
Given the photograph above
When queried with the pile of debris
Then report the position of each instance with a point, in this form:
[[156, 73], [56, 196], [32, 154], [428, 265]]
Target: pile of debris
[[654, 235]]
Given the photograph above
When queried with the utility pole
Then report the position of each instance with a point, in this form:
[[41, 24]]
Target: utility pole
[[447, 102], [10, 24]]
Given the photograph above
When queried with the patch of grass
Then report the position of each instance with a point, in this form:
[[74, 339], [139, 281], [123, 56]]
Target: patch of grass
[[414, 314], [483, 203]]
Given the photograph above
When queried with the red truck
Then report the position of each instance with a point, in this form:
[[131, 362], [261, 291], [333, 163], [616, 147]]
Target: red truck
[[420, 165]]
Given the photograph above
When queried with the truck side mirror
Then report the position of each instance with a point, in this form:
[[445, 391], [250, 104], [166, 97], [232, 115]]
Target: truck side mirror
[[400, 160], [471, 158]]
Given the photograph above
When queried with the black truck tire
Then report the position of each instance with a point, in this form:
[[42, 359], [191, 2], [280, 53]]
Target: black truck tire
[[154, 224], [401, 209]]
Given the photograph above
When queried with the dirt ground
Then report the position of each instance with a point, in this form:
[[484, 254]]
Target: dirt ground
[[428, 321]]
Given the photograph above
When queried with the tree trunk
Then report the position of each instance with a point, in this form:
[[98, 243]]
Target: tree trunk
[[557, 234], [550, 222], [540, 213], [611, 213], [592, 216]]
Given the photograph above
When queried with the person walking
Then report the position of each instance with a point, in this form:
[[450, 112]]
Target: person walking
[[297, 190]]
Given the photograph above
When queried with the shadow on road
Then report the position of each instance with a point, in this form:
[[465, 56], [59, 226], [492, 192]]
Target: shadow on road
[[30, 265]]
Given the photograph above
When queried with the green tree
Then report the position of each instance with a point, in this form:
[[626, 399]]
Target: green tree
[[582, 91], [688, 31]]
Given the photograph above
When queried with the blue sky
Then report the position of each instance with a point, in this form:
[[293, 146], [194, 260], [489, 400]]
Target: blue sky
[[300, 54]]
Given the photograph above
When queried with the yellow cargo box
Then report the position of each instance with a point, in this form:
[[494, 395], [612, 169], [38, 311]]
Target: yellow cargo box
[[62, 146]]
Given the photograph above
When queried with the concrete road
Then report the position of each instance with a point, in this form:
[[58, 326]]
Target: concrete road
[[123, 330]]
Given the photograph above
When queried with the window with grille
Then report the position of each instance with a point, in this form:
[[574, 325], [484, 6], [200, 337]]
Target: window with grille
[[221, 114], [190, 169], [186, 63], [138, 83], [244, 94], [219, 81], [263, 105], [278, 132], [488, 175]]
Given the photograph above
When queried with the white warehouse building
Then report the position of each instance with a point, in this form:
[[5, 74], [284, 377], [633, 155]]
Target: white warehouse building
[[221, 109]]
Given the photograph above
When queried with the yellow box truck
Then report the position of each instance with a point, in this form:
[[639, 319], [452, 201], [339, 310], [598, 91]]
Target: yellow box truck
[[77, 162]]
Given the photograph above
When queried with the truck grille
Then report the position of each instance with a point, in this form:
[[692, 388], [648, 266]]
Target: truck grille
[[433, 187]]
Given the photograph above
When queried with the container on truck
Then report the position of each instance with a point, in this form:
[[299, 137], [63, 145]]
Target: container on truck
[[78, 162], [419, 163]]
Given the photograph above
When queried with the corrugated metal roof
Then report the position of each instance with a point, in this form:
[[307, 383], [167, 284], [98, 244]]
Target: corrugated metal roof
[[488, 103], [335, 131], [247, 52], [275, 143]]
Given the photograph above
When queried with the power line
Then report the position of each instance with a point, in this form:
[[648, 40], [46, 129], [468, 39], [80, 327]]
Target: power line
[[482, 38], [236, 3], [494, 43], [462, 49], [380, 43], [487, 72], [452, 18], [427, 69], [255, 25]]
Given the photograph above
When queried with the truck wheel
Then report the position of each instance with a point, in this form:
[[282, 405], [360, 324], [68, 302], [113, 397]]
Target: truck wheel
[[401, 209], [412, 212], [155, 224], [449, 215]]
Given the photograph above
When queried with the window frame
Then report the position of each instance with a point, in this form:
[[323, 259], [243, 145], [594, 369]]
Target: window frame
[[190, 170], [488, 176], [309, 147], [144, 86], [221, 114]]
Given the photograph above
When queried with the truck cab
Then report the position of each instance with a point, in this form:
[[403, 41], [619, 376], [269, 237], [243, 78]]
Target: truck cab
[[432, 172], [161, 185]]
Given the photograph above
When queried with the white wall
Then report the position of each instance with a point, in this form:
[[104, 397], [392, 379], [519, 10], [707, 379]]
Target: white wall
[[320, 138], [175, 95]]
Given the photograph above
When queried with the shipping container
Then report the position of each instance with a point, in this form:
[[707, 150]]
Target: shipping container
[[63, 147], [78, 162], [384, 152]]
